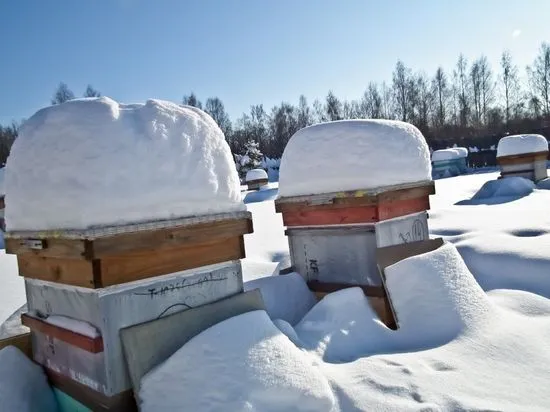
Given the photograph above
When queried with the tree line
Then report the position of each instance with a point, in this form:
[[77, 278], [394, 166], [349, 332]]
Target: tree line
[[471, 101]]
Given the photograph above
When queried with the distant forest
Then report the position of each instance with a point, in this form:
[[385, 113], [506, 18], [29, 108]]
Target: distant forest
[[470, 104]]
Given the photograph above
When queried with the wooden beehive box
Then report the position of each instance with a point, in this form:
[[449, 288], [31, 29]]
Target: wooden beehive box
[[532, 166], [98, 258], [256, 184]]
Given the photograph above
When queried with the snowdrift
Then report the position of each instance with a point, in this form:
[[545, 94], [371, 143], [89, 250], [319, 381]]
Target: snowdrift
[[352, 155], [91, 162]]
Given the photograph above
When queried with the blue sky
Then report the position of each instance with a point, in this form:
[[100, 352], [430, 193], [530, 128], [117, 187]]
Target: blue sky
[[246, 51]]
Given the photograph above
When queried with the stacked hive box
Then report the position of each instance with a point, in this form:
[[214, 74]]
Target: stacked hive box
[[256, 178], [115, 278], [523, 156], [92, 277], [448, 162], [334, 236]]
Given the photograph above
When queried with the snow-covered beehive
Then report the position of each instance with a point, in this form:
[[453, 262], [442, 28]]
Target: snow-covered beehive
[[449, 162], [256, 178], [347, 188], [2, 193], [523, 155], [118, 214]]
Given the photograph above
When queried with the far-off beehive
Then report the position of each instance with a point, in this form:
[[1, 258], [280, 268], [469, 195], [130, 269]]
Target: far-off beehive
[[523, 156], [353, 209]]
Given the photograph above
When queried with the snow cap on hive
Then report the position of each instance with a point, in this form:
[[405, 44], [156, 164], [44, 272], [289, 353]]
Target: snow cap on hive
[[462, 151], [256, 174], [445, 154], [521, 144], [353, 155], [93, 162]]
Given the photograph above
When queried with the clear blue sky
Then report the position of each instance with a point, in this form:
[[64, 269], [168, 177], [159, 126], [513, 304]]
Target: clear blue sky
[[245, 51]]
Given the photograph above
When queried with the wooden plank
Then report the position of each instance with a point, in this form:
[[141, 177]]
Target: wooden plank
[[92, 345], [523, 158], [73, 272], [56, 248], [168, 238], [402, 207], [2, 203], [130, 266], [23, 342], [149, 344], [94, 400], [330, 216], [322, 287], [406, 194]]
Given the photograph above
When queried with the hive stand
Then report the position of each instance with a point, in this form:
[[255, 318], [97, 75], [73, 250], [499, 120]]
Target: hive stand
[[333, 237], [532, 166], [116, 277]]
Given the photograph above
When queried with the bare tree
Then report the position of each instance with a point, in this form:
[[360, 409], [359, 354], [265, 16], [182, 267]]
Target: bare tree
[[333, 107], [440, 92], [401, 89], [192, 100], [305, 117], [539, 77], [62, 94], [215, 108], [425, 101], [319, 111], [475, 78], [91, 92], [371, 102], [461, 78], [387, 102], [487, 86]]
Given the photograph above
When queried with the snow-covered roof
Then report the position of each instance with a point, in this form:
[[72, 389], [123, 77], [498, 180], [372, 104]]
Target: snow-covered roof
[[256, 174], [521, 143], [462, 151], [94, 161], [445, 154], [352, 155]]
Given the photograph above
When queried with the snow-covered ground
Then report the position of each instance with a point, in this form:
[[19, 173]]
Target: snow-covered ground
[[474, 325]]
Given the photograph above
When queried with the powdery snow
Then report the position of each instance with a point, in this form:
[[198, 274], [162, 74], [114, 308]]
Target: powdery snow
[[90, 162], [12, 286], [256, 174], [510, 187], [24, 386], [521, 143], [242, 364], [462, 151], [353, 155], [2, 181], [77, 326], [445, 154]]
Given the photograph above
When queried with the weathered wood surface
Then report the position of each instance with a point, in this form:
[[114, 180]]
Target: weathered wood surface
[[96, 248], [92, 345], [23, 342], [94, 400], [73, 272], [148, 344], [523, 158]]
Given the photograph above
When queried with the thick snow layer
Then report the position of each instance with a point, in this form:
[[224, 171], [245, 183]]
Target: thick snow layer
[[522, 143], [242, 364], [353, 155], [90, 162], [445, 154], [509, 187], [256, 174], [12, 286], [23, 385], [2, 180], [298, 299], [77, 326], [462, 151]]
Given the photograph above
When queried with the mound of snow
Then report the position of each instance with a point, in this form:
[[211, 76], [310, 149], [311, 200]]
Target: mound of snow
[[90, 162], [462, 151], [23, 385], [521, 143], [445, 154], [513, 187], [256, 174], [297, 301], [352, 155], [242, 364]]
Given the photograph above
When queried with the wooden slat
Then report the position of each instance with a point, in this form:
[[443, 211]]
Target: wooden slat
[[330, 216], [2, 203], [94, 400], [57, 248], [522, 158], [23, 342], [402, 207], [168, 238], [316, 286], [138, 265], [92, 345], [406, 194], [73, 272]]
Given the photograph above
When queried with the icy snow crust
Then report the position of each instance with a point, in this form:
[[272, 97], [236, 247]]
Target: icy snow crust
[[91, 162], [446, 154], [353, 155], [256, 174], [520, 144], [457, 348]]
